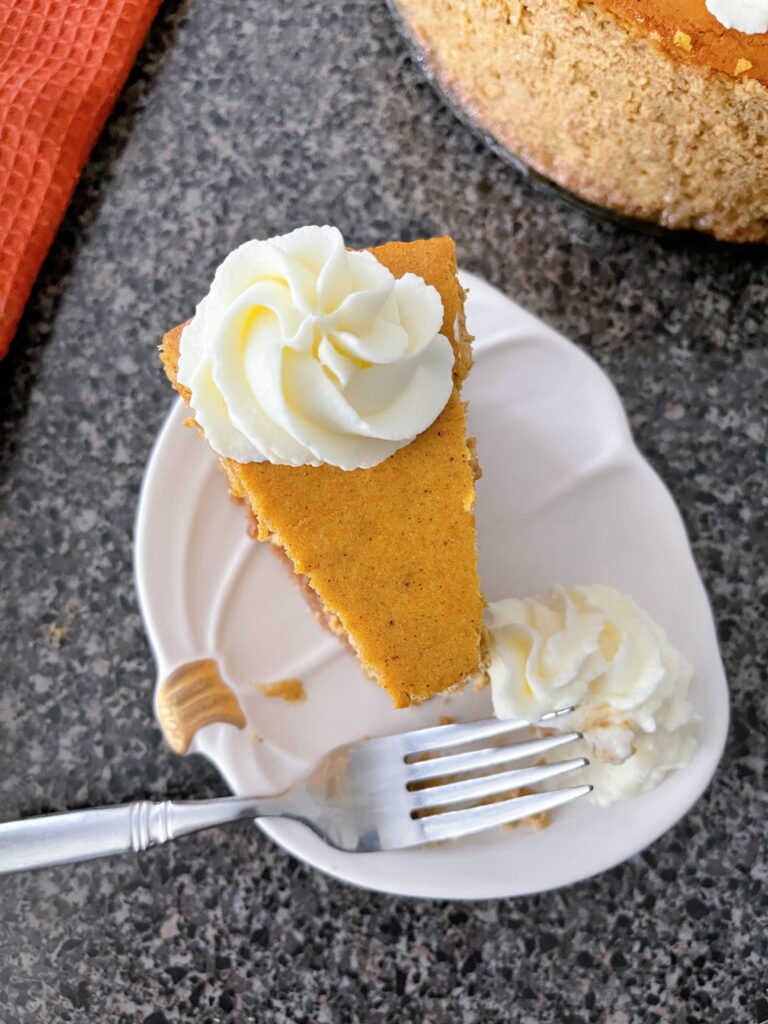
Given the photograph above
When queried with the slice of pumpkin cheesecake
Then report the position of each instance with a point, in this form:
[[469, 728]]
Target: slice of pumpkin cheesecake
[[329, 383]]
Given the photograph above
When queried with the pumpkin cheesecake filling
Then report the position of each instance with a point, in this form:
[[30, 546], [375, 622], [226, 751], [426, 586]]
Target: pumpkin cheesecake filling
[[387, 552]]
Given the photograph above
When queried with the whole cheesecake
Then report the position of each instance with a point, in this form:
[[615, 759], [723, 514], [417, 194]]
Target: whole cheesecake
[[651, 108]]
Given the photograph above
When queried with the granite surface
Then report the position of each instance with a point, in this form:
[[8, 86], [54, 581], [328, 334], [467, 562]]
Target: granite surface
[[250, 118]]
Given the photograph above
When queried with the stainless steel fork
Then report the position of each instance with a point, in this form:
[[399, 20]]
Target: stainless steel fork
[[378, 794]]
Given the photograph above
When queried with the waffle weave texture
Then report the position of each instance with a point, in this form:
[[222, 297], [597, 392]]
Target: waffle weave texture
[[62, 65]]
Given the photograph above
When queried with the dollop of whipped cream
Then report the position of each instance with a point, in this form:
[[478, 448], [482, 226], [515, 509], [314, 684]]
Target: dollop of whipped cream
[[303, 353], [593, 648], [749, 16]]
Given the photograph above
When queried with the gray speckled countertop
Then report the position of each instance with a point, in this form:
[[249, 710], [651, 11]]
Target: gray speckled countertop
[[250, 118]]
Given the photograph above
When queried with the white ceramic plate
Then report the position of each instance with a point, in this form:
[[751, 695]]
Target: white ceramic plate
[[565, 497]]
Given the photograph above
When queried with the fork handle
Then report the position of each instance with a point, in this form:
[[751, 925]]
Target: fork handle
[[104, 831]]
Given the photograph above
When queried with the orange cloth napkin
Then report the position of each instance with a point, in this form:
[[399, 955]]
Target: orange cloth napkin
[[62, 65]]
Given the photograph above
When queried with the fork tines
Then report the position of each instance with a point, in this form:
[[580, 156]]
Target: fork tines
[[454, 792]]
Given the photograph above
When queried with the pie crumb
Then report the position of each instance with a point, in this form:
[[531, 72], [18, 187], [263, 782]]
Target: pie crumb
[[291, 690], [537, 822], [683, 40]]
